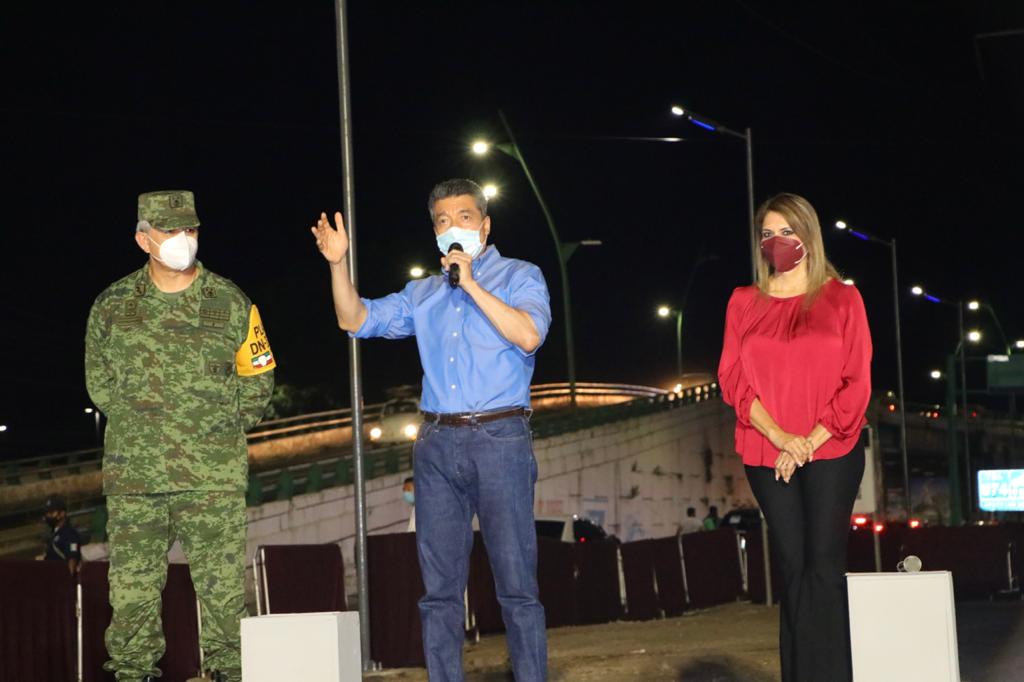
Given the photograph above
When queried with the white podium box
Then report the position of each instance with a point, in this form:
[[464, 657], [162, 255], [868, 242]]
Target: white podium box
[[318, 647], [903, 627]]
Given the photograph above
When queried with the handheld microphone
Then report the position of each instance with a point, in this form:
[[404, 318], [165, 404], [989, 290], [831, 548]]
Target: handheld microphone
[[453, 268]]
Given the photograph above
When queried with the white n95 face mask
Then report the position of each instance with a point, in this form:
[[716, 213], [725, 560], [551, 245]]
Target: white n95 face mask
[[178, 252], [469, 240]]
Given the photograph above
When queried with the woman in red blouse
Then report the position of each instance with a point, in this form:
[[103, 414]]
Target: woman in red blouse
[[796, 365]]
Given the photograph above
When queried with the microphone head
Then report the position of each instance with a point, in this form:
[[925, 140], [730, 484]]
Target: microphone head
[[455, 247]]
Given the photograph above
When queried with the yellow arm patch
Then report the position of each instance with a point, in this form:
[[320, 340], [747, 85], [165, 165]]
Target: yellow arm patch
[[255, 356]]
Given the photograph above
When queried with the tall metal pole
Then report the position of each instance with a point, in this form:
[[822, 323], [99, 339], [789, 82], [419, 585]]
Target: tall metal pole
[[562, 259], [955, 508], [963, 402], [750, 203], [679, 342], [899, 381], [355, 368]]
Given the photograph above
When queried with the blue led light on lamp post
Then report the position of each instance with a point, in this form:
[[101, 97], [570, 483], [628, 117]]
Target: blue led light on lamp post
[[890, 244], [707, 124]]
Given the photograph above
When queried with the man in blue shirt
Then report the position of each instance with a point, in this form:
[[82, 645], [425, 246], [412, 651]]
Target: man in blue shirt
[[473, 453]]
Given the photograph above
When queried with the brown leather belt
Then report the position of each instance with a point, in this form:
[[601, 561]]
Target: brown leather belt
[[472, 418]]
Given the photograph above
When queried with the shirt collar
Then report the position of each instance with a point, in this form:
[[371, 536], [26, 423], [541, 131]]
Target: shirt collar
[[144, 285], [490, 255]]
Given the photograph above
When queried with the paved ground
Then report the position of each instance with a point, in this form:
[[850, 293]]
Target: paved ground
[[732, 643]]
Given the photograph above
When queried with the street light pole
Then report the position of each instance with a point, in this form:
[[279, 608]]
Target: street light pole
[[96, 419], [355, 364], [975, 305], [961, 349], [563, 250], [963, 403], [891, 245], [748, 138]]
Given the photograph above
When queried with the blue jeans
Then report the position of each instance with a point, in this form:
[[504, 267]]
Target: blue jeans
[[488, 470]]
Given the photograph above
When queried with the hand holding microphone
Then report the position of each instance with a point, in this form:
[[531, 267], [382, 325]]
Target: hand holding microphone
[[459, 265], [453, 268]]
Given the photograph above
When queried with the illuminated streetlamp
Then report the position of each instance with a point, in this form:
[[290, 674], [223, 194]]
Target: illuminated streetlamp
[[96, 417], [901, 401], [707, 124], [666, 311], [563, 249], [960, 350]]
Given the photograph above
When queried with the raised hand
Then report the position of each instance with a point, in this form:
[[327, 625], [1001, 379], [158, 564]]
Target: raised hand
[[332, 243]]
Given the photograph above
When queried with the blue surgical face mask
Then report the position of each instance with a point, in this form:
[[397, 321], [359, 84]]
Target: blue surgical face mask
[[409, 496], [469, 240]]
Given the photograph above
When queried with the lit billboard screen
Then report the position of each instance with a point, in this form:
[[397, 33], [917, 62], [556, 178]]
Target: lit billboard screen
[[1001, 489]]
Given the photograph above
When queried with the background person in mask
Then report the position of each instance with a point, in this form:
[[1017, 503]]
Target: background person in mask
[[796, 365], [177, 359], [474, 453], [409, 495], [64, 544]]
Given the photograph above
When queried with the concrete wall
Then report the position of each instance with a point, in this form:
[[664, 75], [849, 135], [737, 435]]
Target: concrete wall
[[636, 478]]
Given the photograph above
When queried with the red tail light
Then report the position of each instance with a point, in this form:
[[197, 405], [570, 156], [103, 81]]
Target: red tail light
[[879, 527], [914, 523], [860, 520]]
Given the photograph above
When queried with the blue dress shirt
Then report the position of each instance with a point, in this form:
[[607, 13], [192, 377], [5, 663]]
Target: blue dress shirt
[[468, 366]]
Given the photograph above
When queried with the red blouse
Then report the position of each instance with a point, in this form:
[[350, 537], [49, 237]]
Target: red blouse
[[807, 367]]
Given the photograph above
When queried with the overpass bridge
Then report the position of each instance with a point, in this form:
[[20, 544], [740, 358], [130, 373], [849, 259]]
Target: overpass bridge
[[297, 454], [299, 457]]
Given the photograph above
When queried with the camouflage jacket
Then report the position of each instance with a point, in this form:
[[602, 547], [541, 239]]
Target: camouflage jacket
[[181, 377]]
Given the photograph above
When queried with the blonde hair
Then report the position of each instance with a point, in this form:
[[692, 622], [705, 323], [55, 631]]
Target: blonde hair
[[802, 218]]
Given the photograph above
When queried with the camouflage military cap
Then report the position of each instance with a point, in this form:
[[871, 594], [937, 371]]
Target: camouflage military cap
[[168, 209]]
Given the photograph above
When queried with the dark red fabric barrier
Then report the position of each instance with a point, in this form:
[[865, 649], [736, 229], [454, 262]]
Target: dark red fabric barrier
[[638, 569], [555, 578], [860, 550], [756, 588], [181, 628], [304, 578], [712, 567], [396, 635], [598, 596], [37, 621], [1016, 531], [975, 555], [668, 570], [557, 582]]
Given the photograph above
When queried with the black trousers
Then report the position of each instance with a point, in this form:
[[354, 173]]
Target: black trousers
[[808, 523]]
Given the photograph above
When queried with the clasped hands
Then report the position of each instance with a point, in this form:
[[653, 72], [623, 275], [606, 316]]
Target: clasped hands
[[795, 451]]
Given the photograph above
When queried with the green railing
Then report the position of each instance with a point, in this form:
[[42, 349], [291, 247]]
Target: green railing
[[285, 482]]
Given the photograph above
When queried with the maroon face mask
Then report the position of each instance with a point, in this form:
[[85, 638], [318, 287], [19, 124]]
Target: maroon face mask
[[784, 253]]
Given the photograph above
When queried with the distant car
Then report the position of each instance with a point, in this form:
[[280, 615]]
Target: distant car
[[569, 528], [744, 520], [398, 422]]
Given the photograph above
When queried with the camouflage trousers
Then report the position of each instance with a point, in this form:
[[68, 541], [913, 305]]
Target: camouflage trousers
[[142, 528]]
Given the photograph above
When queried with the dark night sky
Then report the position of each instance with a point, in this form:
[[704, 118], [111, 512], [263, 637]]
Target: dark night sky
[[884, 114]]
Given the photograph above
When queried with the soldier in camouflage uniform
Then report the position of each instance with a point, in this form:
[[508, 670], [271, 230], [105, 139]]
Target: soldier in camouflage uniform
[[177, 359]]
